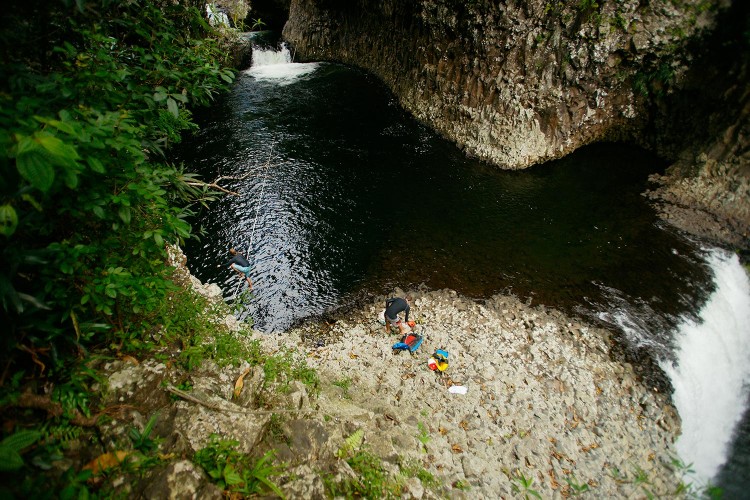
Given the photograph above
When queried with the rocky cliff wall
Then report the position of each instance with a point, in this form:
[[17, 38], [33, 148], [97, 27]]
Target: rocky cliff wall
[[517, 82], [520, 82]]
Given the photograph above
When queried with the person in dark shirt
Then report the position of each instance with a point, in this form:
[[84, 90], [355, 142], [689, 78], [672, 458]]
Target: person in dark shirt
[[241, 265], [393, 307]]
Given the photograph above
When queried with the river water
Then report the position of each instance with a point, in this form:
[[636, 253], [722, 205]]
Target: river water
[[341, 194]]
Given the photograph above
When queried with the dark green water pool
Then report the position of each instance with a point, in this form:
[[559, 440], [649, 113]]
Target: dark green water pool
[[358, 198]]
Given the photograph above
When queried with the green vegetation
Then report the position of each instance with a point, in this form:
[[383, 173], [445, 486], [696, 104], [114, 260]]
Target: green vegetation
[[12, 446], [462, 485], [588, 5], [424, 435], [284, 367], [351, 444], [640, 479], [655, 82], [258, 24], [88, 197], [576, 488], [142, 440], [372, 480], [94, 93], [344, 383], [235, 472], [415, 469], [522, 486]]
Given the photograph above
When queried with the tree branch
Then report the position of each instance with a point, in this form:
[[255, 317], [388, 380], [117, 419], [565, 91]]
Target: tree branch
[[35, 401]]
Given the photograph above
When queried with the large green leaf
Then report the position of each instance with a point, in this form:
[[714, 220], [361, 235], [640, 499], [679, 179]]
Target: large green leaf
[[8, 220], [34, 165], [95, 164], [231, 477], [20, 440], [64, 154], [172, 105], [9, 459], [9, 296], [125, 214]]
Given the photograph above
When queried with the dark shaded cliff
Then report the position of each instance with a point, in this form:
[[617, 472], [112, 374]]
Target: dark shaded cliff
[[521, 82]]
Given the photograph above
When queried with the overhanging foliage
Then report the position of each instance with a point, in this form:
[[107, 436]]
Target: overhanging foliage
[[92, 95]]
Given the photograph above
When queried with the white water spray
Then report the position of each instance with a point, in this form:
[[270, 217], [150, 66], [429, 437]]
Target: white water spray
[[711, 377], [277, 65]]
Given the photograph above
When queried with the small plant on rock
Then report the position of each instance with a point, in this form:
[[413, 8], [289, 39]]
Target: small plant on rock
[[424, 435], [344, 384], [372, 480], [235, 472], [413, 468], [142, 440], [576, 488], [462, 485], [522, 486]]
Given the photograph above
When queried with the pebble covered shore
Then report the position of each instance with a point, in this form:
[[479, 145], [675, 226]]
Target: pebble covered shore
[[544, 402]]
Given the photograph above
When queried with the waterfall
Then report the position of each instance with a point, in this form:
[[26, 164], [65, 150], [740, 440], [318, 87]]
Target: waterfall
[[711, 375], [277, 65], [266, 57], [216, 16]]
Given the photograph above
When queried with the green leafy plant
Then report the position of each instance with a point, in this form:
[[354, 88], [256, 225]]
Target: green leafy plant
[[462, 485], [84, 176], [641, 479], [576, 488], [258, 24], [522, 486], [344, 384], [372, 480], [424, 434], [142, 440], [12, 446], [412, 468], [238, 304], [62, 433], [286, 366], [236, 472], [588, 5], [76, 484], [692, 490], [351, 444], [74, 393], [92, 97], [275, 428]]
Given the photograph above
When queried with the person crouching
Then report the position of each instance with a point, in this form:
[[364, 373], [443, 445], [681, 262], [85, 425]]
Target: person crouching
[[393, 307]]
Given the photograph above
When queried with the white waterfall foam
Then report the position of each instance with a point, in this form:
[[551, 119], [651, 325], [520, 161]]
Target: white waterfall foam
[[267, 57], [277, 65], [711, 377]]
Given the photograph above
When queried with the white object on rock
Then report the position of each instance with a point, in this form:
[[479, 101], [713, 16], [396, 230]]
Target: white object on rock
[[458, 389]]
